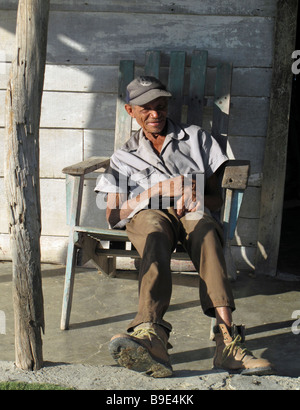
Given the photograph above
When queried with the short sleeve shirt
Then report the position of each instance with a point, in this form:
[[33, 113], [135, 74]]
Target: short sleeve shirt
[[187, 150]]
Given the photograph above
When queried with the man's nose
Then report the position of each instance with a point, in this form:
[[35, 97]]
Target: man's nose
[[154, 114]]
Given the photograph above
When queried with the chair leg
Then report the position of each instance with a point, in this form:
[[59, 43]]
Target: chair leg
[[69, 285]]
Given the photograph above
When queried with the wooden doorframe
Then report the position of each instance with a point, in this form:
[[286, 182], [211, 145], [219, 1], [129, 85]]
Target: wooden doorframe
[[274, 167]]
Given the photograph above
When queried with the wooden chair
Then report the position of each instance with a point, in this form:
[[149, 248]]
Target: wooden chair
[[187, 108]]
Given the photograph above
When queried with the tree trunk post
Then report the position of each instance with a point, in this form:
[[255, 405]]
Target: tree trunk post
[[23, 107]]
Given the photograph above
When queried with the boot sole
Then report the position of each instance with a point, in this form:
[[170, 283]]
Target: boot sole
[[259, 371], [130, 354]]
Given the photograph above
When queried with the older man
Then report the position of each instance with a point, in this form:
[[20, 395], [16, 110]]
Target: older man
[[152, 191]]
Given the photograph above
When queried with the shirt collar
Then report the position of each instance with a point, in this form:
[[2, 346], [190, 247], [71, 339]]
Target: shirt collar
[[174, 131]]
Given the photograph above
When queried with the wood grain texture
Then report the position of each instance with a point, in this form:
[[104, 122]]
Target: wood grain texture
[[23, 106]]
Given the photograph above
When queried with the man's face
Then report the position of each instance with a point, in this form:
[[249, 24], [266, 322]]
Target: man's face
[[151, 116]]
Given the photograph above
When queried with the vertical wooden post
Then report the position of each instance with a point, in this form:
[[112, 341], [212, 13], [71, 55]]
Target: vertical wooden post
[[23, 106], [274, 169]]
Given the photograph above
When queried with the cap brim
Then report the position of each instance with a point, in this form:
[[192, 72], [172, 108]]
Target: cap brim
[[150, 96]]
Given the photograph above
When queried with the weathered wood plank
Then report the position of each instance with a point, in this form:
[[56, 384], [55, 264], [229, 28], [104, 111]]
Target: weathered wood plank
[[246, 82], [206, 7], [23, 109], [236, 174], [248, 116], [176, 84], [274, 170], [74, 36], [87, 166], [197, 87], [72, 45], [152, 63], [221, 107]]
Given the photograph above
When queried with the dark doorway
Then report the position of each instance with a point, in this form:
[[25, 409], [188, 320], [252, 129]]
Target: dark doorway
[[289, 253]]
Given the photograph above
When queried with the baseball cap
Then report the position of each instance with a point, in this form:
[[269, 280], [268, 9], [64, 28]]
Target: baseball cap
[[144, 89]]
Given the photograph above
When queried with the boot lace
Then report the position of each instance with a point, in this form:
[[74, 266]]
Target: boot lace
[[234, 346], [149, 333]]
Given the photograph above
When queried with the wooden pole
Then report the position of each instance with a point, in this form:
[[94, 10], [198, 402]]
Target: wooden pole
[[274, 169], [23, 106]]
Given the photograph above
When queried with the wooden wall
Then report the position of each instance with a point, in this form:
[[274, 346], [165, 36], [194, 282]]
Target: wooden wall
[[86, 41]]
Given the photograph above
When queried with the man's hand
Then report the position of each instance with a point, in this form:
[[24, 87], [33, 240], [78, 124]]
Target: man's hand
[[186, 195], [190, 198]]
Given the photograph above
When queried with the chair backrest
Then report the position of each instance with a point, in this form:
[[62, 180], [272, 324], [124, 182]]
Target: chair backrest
[[188, 100]]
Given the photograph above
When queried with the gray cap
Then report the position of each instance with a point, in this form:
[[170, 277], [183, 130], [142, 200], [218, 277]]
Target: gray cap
[[144, 89]]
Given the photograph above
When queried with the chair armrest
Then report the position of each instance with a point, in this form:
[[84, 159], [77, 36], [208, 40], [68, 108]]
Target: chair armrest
[[85, 167], [236, 174]]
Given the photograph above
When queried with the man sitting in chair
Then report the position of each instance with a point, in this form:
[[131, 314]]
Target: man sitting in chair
[[149, 192]]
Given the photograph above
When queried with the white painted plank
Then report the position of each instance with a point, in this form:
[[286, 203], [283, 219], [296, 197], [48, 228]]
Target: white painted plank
[[246, 82], [3, 208], [244, 257], [53, 248], [4, 71], [93, 213], [2, 154], [98, 143], [59, 148], [78, 110], [248, 116], [246, 232], [53, 207], [251, 203], [53, 204], [81, 78], [247, 148], [7, 35], [5, 254]]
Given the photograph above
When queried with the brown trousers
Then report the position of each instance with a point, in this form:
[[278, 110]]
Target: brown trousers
[[155, 234]]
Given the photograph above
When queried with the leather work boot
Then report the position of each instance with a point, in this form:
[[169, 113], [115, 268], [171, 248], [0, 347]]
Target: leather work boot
[[232, 355], [144, 350]]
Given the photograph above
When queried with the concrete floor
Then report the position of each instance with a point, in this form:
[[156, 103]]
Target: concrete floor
[[103, 306]]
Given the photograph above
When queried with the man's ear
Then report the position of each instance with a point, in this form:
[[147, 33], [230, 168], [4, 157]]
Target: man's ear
[[129, 109]]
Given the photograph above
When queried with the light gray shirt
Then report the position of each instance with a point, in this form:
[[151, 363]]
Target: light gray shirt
[[187, 150]]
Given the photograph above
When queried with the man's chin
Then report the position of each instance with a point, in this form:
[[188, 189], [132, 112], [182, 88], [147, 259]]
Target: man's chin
[[156, 129]]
